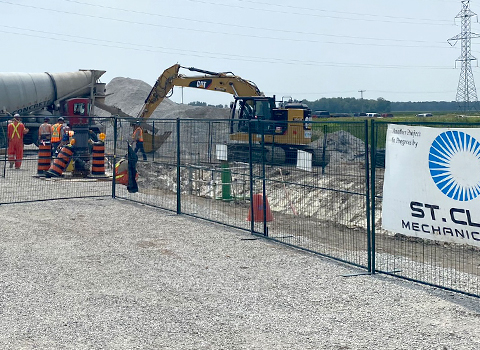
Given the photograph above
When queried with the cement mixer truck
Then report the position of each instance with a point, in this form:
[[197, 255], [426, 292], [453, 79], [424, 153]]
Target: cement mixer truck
[[35, 96]]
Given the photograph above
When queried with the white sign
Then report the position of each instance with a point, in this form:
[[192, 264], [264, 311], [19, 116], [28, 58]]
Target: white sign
[[304, 160], [221, 151], [432, 183]]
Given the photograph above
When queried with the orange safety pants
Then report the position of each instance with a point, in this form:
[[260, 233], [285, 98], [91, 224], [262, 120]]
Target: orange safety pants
[[15, 152]]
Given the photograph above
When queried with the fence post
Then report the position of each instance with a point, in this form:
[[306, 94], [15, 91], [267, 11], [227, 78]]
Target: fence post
[[250, 164], [153, 141], [264, 185], [179, 204], [367, 196], [373, 158], [5, 157], [324, 151], [115, 126]]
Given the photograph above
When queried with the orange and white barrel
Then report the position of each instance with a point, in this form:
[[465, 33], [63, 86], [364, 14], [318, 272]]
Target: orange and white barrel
[[44, 157], [61, 162], [98, 159]]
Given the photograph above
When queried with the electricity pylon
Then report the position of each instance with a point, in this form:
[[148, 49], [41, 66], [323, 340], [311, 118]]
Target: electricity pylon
[[466, 90]]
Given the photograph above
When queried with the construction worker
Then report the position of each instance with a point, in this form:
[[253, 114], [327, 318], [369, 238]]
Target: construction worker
[[67, 132], [138, 138], [16, 130], [45, 131], [58, 130]]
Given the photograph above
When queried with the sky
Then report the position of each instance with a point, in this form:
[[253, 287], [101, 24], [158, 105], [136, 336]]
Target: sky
[[304, 49]]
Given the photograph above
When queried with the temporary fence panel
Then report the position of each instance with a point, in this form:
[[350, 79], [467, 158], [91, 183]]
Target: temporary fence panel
[[325, 197], [157, 177], [33, 182], [212, 186], [447, 265], [318, 197]]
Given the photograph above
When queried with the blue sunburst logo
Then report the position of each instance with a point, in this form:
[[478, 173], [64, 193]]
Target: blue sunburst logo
[[454, 163]]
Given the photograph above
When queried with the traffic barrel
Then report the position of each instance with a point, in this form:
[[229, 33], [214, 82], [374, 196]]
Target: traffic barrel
[[258, 212], [61, 162], [44, 157], [98, 158]]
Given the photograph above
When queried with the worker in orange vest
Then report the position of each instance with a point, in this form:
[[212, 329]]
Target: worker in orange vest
[[138, 138], [16, 130], [58, 130]]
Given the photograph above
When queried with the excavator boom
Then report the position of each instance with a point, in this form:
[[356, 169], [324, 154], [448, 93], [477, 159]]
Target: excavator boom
[[223, 82]]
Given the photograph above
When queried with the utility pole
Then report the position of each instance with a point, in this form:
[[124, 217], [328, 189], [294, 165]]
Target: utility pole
[[466, 90], [361, 97]]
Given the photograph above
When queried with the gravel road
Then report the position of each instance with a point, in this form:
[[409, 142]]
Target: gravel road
[[110, 274]]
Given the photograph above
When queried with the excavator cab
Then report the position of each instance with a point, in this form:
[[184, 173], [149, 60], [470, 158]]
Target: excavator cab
[[258, 108], [251, 108]]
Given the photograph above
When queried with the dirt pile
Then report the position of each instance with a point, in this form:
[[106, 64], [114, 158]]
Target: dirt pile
[[129, 95], [341, 145]]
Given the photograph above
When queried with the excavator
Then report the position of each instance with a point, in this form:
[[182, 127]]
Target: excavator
[[284, 131]]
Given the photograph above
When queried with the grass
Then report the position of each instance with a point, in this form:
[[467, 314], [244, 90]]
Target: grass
[[352, 125]]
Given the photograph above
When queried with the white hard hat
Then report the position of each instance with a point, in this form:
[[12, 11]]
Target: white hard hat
[[16, 115]]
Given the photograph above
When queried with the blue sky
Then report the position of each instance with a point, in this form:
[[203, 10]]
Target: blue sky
[[308, 49]]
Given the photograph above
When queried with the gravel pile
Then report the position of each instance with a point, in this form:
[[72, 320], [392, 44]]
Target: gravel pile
[[129, 95], [109, 274]]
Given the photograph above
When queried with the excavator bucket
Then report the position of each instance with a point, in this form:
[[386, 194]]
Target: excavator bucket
[[153, 142]]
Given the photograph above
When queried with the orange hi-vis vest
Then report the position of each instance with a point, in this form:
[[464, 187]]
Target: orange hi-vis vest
[[56, 129], [138, 137]]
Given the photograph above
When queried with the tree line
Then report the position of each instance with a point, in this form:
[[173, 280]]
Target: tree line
[[355, 105], [380, 105]]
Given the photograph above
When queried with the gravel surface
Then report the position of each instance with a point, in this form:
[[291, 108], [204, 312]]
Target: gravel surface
[[110, 274]]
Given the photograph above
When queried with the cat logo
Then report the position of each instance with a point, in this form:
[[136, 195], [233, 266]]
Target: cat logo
[[201, 84]]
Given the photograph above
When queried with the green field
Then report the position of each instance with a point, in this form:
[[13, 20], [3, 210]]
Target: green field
[[350, 124]]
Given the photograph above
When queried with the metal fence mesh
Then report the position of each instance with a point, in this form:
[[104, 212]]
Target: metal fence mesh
[[332, 208]]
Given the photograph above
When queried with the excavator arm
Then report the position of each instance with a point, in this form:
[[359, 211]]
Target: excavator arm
[[223, 82]]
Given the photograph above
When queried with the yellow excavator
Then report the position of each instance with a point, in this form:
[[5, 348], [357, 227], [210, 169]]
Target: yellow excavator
[[286, 129]]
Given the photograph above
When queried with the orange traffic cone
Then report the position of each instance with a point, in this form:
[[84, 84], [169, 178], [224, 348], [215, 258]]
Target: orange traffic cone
[[258, 209]]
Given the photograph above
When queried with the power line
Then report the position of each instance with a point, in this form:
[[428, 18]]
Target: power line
[[230, 25], [113, 44], [270, 5], [250, 36], [309, 13], [203, 53]]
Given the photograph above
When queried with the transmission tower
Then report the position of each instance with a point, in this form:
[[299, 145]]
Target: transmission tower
[[466, 91]]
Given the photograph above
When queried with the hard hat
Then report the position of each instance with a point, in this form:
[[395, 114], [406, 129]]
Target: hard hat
[[61, 119], [16, 115]]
